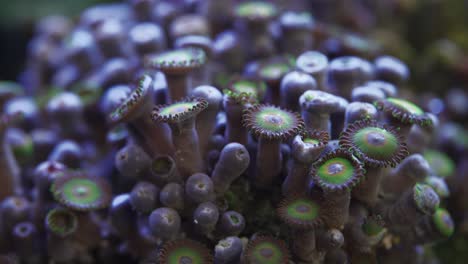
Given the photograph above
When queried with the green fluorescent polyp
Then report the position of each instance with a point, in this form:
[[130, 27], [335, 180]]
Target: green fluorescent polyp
[[274, 120], [245, 87], [376, 143], [406, 105], [61, 221], [336, 171], [274, 70], [440, 162], [177, 108], [311, 141], [185, 254], [81, 191], [267, 252], [443, 221], [303, 209], [256, 9], [371, 228]]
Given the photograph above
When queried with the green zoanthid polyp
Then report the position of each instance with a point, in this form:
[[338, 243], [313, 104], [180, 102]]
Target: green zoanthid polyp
[[256, 9], [303, 209], [272, 119], [80, 192], [267, 250], [376, 144], [184, 251], [336, 171], [300, 212], [443, 222], [406, 105]]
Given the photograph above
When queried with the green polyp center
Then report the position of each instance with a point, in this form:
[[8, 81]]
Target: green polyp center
[[245, 87], [61, 222], [24, 150], [371, 228], [440, 162], [406, 105], [161, 165], [256, 9], [309, 97], [177, 109], [443, 221], [185, 255], [425, 197], [274, 120], [176, 56], [376, 142], [303, 209], [311, 141], [274, 70], [267, 252], [81, 191], [234, 219], [336, 171]]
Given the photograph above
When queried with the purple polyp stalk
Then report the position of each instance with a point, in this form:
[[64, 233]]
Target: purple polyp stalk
[[317, 121], [139, 120], [336, 212], [206, 120], [304, 246], [9, 170], [367, 190], [269, 160], [303, 155], [235, 132], [187, 155]]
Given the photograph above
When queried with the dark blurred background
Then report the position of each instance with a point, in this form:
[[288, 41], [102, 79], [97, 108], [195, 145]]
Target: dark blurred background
[[430, 35], [17, 19]]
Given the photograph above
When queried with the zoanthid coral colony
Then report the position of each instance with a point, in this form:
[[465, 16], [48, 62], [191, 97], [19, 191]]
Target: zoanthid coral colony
[[200, 132]]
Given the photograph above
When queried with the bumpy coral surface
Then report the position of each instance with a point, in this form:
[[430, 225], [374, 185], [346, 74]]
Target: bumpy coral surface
[[223, 132]]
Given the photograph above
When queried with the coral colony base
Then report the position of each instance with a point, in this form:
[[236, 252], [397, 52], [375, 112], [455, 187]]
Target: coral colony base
[[218, 132]]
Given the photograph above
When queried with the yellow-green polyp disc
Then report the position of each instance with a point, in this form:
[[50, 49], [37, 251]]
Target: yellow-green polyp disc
[[336, 171], [443, 222], [274, 119], [182, 55], [440, 162], [256, 9], [311, 141], [184, 251], [185, 254], [376, 143], [372, 228], [266, 252], [81, 192], [245, 86], [303, 209], [406, 105], [61, 222], [274, 70], [177, 108]]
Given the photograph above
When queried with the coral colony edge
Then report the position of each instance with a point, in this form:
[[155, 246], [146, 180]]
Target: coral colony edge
[[220, 132]]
